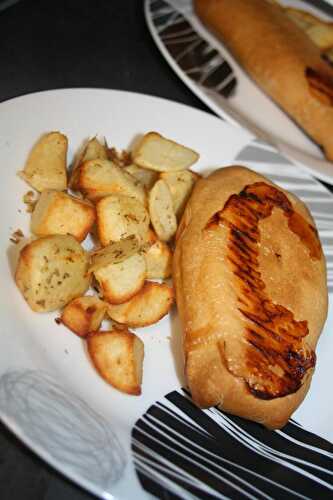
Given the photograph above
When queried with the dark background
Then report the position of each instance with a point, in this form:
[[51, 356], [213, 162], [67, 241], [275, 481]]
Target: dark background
[[74, 43]]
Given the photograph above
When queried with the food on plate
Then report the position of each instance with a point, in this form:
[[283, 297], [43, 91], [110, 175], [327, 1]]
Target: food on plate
[[17, 236], [180, 185], [30, 198], [52, 271], [115, 252], [118, 282], [120, 216], [92, 150], [162, 214], [158, 257], [145, 176], [57, 212], [121, 158], [288, 66], [46, 166], [118, 357], [84, 314], [146, 307], [111, 216], [155, 152], [99, 178], [320, 31], [250, 281]]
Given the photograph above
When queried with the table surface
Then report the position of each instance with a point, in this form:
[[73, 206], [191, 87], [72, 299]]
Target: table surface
[[73, 43]]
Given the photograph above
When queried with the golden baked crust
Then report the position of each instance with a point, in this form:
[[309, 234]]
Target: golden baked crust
[[250, 281], [280, 57]]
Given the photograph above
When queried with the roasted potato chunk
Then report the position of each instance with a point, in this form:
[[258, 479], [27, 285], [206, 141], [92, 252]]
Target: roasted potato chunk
[[46, 166], [155, 152], [118, 357], [180, 185], [93, 150], [158, 260], [121, 216], [161, 211], [143, 175], [99, 178], [59, 213], [119, 282], [115, 252], [52, 271], [84, 314], [121, 158], [145, 308], [320, 32]]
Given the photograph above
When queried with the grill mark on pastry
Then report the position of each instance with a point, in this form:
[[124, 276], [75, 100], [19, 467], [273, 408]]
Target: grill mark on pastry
[[321, 86], [277, 358]]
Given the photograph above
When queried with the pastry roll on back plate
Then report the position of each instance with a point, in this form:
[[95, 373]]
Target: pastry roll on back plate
[[250, 281], [281, 59]]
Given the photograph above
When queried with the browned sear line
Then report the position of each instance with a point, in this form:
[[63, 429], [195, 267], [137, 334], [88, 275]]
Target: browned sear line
[[321, 86], [276, 357]]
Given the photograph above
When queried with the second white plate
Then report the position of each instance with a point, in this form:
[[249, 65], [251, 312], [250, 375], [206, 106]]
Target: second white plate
[[177, 32]]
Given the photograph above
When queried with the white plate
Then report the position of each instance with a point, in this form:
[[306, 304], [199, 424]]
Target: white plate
[[50, 395], [248, 106]]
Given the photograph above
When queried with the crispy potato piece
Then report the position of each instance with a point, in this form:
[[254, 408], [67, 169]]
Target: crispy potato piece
[[121, 158], [151, 238], [52, 271], [303, 19], [145, 308], [119, 217], [59, 213], [180, 185], [321, 35], [118, 357], [84, 315], [155, 152], [93, 150], [99, 178], [115, 252], [119, 282], [161, 211], [30, 199], [158, 260], [145, 176], [47, 163], [320, 32]]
